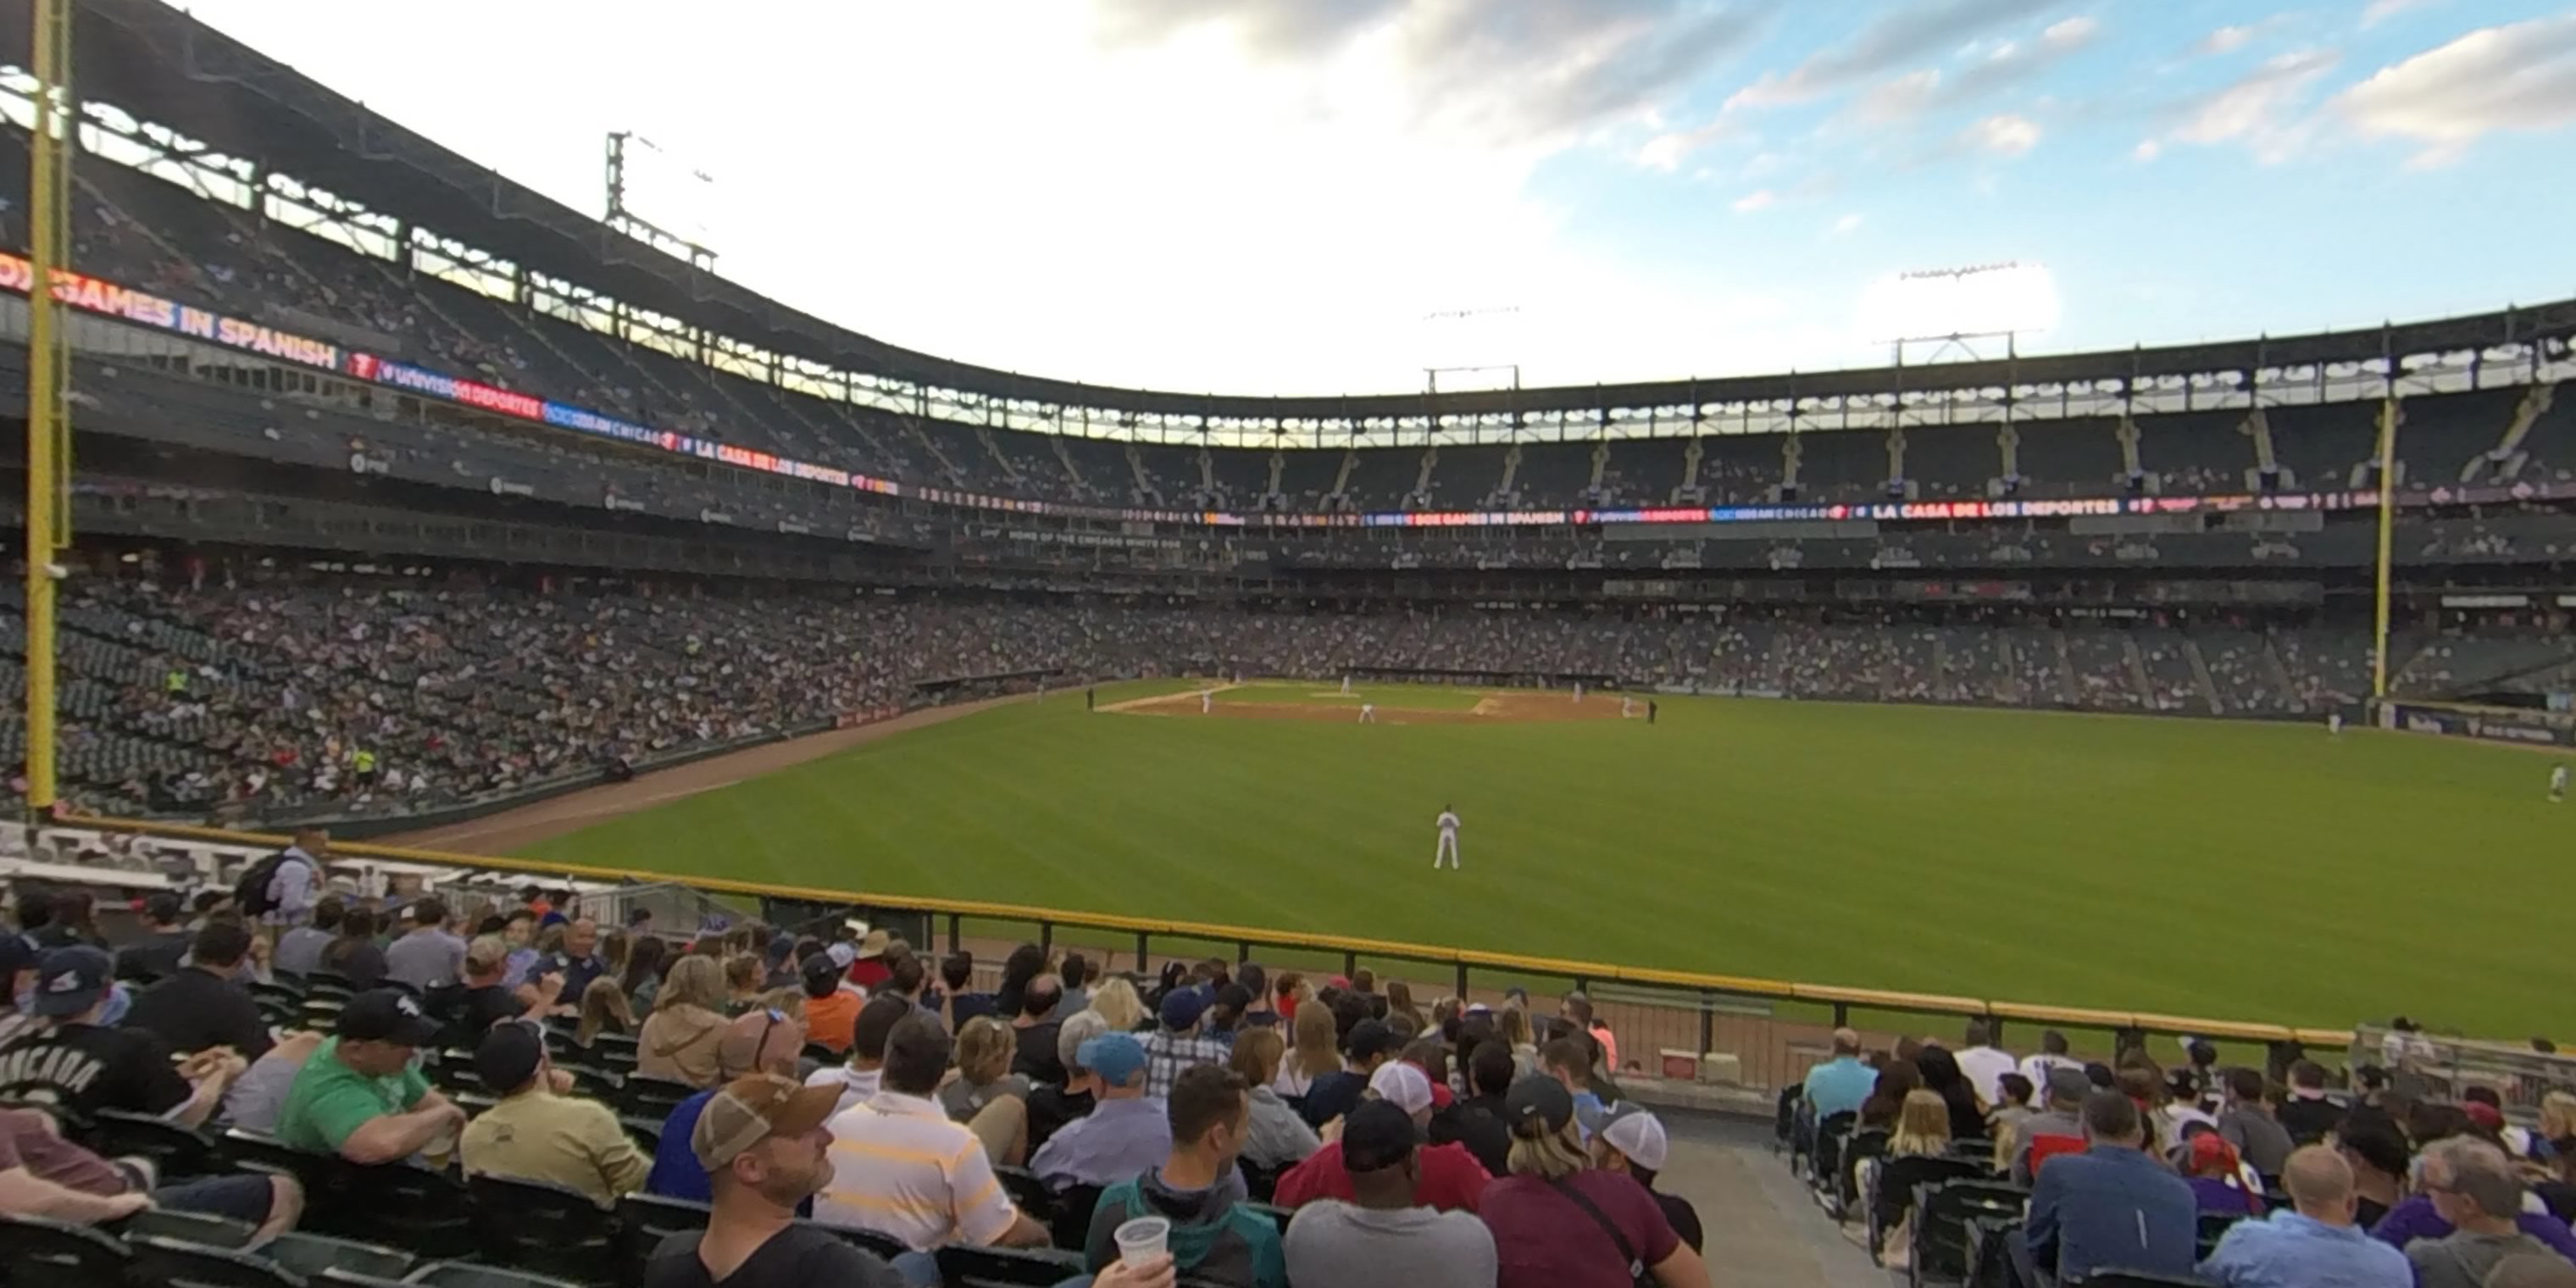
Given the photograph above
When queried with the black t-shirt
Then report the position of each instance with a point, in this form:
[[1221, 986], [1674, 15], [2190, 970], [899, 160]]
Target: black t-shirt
[[360, 961], [1037, 1060], [1678, 1211], [1477, 1123], [153, 956], [2308, 1121], [471, 1012], [1050, 1108], [1333, 1095], [800, 1256], [194, 1010], [87, 1069]]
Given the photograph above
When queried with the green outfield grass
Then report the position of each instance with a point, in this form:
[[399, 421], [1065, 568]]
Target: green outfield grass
[[2234, 870], [1390, 697]]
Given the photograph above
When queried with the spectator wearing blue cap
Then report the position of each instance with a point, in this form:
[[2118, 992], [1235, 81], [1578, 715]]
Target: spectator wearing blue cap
[[1178, 1044], [1126, 1131], [72, 1056]]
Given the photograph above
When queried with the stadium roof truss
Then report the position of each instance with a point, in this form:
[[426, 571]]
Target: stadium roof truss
[[268, 140]]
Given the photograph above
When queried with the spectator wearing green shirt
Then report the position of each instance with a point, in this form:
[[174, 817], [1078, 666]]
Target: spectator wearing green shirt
[[359, 1096]]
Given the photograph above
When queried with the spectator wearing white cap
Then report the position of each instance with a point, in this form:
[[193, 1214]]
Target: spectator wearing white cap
[[1449, 1178], [1632, 1140]]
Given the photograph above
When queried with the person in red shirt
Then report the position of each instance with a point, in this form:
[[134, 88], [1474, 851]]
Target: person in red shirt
[[1560, 1222], [1447, 1177], [870, 968]]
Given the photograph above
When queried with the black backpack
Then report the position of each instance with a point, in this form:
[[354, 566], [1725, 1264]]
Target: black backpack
[[250, 896]]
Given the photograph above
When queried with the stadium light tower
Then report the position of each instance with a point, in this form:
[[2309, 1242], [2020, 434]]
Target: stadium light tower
[[49, 429], [1955, 308], [1472, 347], [621, 214]]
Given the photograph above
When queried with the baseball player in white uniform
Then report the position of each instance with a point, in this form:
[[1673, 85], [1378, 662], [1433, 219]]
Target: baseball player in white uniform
[[1207, 701], [1368, 713], [1346, 686], [2558, 784], [2334, 723], [1448, 848]]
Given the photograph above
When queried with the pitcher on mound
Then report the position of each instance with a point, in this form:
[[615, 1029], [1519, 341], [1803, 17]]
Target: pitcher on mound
[[1448, 848]]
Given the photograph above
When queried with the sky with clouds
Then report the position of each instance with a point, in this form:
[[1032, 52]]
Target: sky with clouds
[[1312, 196]]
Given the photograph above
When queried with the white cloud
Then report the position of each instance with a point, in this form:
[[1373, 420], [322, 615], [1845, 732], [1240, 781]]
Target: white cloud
[[2516, 77], [2147, 150], [1761, 199], [1990, 70], [1895, 36], [2225, 40], [2379, 11], [2260, 110], [1847, 225], [1898, 100], [2004, 135]]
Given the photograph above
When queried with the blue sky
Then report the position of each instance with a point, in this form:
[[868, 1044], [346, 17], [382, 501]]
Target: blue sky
[[1279, 195]]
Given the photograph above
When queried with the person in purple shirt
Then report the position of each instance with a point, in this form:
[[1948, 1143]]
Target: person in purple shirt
[[2415, 1218], [2316, 1246]]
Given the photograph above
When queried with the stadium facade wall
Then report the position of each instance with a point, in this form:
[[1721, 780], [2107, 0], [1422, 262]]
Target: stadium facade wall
[[2483, 724]]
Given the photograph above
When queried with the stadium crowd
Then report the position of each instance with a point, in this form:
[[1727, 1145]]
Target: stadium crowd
[[809, 1109], [2053, 1168], [279, 697]]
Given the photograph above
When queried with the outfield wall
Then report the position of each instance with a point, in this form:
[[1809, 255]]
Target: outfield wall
[[2519, 726]]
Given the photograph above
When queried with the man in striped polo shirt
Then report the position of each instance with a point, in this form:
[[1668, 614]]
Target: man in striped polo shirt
[[901, 1168]]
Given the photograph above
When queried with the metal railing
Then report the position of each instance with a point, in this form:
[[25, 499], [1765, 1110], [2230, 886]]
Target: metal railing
[[1762, 1033]]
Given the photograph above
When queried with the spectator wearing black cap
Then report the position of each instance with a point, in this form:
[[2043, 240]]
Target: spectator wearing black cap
[[537, 1133], [359, 1096], [1034, 1029], [831, 1010], [762, 1142], [1558, 1222], [1381, 1236], [69, 1057], [200, 1006], [1451, 1179], [2379, 1161], [1332, 1095], [1178, 1043], [1214, 1238], [1632, 1140], [156, 953]]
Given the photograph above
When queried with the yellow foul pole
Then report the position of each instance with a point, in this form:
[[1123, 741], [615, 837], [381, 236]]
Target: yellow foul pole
[[2389, 415], [48, 376]]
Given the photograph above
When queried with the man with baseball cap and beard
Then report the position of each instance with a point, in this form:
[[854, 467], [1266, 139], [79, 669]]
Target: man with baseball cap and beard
[[1381, 1236], [359, 1096], [763, 1041], [537, 1133], [1631, 1140], [762, 1143], [1447, 1177]]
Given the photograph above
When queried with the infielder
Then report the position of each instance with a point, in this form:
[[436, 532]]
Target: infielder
[[1578, 691], [2558, 785], [1346, 686], [1368, 713], [1207, 702], [1448, 848], [2334, 724], [1627, 706]]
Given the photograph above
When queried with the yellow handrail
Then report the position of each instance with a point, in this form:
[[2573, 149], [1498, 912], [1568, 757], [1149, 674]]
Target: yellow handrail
[[1784, 990]]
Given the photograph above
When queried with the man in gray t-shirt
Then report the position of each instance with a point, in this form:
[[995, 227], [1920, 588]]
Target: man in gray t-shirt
[[429, 957], [1383, 1240]]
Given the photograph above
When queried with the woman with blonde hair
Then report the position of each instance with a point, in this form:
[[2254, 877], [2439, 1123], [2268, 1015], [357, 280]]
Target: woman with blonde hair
[[1553, 1218], [1117, 1002], [742, 977], [1318, 1052], [1513, 1026], [1276, 1136], [984, 1051], [680, 1036], [603, 1010], [1922, 1125]]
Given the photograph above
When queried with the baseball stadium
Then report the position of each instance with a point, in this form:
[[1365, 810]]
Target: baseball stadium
[[411, 558]]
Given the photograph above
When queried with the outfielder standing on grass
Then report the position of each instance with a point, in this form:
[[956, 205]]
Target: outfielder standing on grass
[[1207, 701], [1448, 848]]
